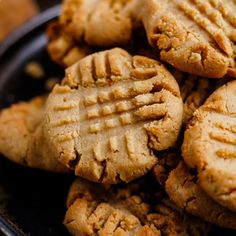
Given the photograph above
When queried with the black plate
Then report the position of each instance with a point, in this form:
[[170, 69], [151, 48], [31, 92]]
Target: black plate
[[32, 202]]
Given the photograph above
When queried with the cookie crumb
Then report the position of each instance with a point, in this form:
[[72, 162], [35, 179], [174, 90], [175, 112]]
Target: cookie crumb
[[51, 82], [35, 70]]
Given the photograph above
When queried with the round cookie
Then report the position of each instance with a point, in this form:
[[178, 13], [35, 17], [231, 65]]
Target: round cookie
[[125, 210], [182, 186], [183, 189], [195, 90], [82, 20], [111, 111], [209, 145], [21, 136], [78, 32], [66, 51], [195, 36], [62, 48]]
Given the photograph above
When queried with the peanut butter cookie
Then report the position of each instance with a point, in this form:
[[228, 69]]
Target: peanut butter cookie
[[195, 90], [62, 48], [126, 210], [195, 36], [182, 185], [210, 146], [103, 23], [183, 189], [109, 114], [86, 24], [21, 136]]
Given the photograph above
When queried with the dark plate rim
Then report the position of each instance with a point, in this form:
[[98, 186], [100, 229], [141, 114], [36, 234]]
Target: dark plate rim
[[7, 227], [28, 27]]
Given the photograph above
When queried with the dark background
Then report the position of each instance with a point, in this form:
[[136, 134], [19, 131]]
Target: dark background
[[32, 202], [44, 4]]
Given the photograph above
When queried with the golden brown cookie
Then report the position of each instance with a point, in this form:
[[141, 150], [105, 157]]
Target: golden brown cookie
[[195, 90], [62, 48], [209, 145], [21, 136], [126, 210], [195, 36], [109, 114], [183, 189], [102, 23], [86, 26], [182, 185]]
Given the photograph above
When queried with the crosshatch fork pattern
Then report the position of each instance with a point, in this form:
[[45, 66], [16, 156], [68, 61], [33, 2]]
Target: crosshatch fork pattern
[[127, 109], [106, 124], [194, 36], [209, 16], [226, 135], [210, 145]]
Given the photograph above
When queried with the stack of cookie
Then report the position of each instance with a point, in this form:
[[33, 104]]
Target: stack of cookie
[[121, 116]]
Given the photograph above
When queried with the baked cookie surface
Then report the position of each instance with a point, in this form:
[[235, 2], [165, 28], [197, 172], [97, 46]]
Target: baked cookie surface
[[21, 136], [126, 210], [209, 145], [183, 189], [195, 90], [195, 36], [62, 48], [109, 114], [103, 23], [182, 186], [86, 26]]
